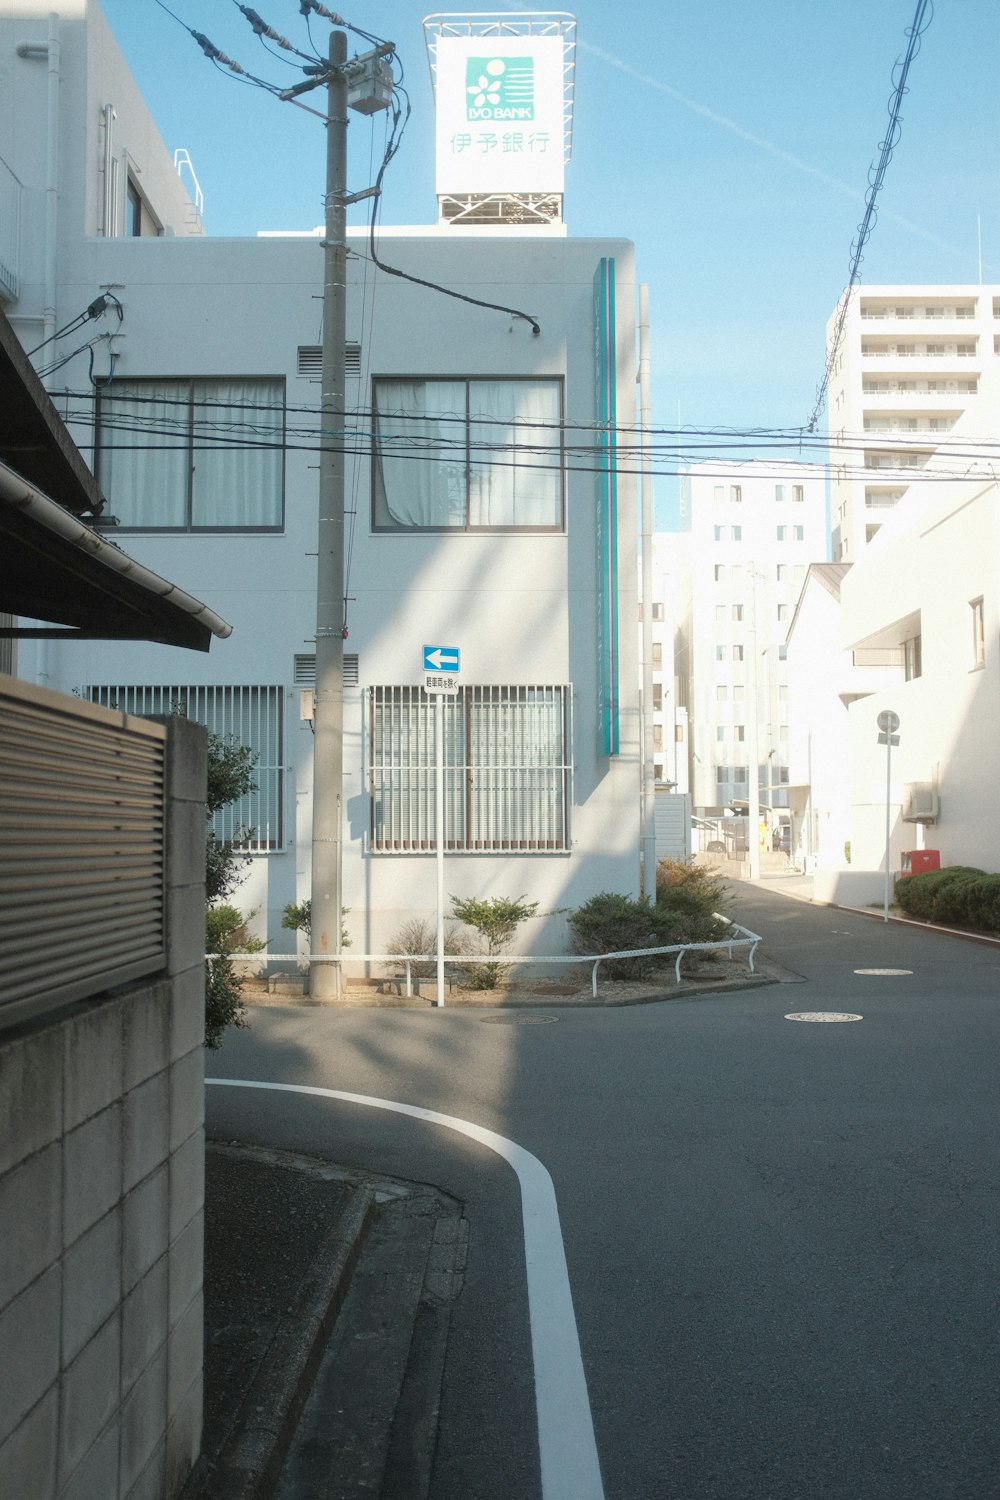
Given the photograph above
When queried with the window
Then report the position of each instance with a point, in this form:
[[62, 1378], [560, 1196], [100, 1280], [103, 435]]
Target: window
[[657, 696], [467, 455], [718, 493], [799, 533], [737, 653], [720, 572], [720, 611], [781, 532], [912, 658], [721, 775], [737, 533], [740, 773], [783, 652], [739, 692], [721, 652], [248, 715], [782, 611], [658, 737], [739, 732], [798, 493], [720, 733], [139, 217], [737, 611], [721, 693], [781, 572], [779, 493], [507, 760], [657, 612], [719, 533], [193, 455], [736, 493], [657, 653], [978, 633]]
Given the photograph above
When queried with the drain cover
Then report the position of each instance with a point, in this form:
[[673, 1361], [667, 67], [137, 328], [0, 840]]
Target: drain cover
[[883, 971], [823, 1015], [518, 1020]]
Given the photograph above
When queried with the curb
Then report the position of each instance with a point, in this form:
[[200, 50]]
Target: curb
[[249, 1464]]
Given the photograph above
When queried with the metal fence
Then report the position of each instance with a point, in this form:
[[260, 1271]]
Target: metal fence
[[82, 849]]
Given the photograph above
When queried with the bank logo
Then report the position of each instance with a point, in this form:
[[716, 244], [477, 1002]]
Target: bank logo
[[500, 88]]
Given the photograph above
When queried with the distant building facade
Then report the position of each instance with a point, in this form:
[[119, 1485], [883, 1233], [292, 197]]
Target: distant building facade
[[911, 361], [749, 535]]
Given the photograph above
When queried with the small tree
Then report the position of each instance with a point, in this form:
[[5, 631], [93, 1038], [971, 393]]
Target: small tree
[[230, 777], [496, 920]]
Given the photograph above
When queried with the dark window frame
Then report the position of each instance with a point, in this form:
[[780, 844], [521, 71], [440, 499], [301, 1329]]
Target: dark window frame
[[382, 529], [106, 393]]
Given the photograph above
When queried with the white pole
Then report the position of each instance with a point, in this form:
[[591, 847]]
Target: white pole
[[439, 839], [888, 786], [646, 532]]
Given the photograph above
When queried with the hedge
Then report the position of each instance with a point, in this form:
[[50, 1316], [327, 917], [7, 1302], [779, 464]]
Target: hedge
[[960, 895]]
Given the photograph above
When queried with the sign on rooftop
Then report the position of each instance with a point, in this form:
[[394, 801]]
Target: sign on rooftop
[[500, 114]]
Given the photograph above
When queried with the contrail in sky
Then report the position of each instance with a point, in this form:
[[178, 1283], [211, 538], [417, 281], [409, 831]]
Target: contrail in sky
[[764, 145]]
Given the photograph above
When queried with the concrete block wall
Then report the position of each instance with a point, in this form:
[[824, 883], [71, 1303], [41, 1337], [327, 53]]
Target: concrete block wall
[[101, 1208]]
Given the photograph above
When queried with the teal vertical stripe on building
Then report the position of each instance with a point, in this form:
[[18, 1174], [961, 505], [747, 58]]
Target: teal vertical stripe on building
[[606, 465]]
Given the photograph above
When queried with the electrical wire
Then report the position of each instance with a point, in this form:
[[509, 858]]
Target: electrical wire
[[94, 310], [876, 177]]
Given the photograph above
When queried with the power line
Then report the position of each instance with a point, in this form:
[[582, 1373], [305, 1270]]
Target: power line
[[876, 177]]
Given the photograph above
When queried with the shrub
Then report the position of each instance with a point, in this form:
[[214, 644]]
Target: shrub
[[929, 897], [610, 923], [697, 891], [419, 935], [227, 930], [297, 917], [496, 920]]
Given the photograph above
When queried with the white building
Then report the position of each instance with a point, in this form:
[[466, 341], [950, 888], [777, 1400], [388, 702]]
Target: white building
[[751, 532], [467, 525], [914, 636], [911, 361]]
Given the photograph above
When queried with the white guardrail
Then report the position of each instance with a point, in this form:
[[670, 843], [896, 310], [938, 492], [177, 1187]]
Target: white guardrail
[[746, 939]]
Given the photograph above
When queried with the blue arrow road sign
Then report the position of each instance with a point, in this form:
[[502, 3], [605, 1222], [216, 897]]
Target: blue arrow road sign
[[440, 658]]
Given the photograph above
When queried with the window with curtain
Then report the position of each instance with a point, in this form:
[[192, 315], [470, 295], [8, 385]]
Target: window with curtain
[[507, 769], [467, 455], [193, 455]]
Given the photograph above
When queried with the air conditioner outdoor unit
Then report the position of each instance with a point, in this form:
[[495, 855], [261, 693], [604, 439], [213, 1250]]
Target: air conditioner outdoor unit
[[921, 803]]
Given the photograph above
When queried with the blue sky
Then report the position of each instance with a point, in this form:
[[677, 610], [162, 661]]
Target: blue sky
[[730, 141]]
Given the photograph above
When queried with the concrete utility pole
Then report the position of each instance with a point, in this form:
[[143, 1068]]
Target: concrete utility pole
[[646, 531], [326, 979], [361, 85]]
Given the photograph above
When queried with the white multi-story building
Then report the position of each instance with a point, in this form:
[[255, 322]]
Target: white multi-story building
[[750, 534], [911, 360], [467, 526]]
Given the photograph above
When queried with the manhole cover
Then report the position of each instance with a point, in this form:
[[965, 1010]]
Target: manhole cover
[[518, 1020], [883, 971], [822, 1015]]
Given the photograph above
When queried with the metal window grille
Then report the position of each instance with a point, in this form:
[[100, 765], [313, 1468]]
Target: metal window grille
[[507, 769], [250, 716]]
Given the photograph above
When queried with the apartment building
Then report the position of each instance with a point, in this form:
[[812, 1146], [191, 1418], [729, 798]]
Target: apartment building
[[749, 535], [911, 361]]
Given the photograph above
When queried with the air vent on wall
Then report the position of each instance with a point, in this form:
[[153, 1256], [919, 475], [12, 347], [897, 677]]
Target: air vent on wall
[[310, 361], [305, 670], [920, 802]]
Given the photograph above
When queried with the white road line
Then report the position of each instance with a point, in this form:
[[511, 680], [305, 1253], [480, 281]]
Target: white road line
[[568, 1450]]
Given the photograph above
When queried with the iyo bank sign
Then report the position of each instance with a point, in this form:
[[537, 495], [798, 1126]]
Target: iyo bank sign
[[500, 124]]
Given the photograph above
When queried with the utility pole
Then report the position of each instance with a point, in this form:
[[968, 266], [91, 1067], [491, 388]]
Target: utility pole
[[326, 981], [369, 90]]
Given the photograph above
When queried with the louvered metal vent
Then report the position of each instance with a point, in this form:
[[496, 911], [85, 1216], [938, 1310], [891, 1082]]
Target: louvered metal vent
[[310, 364], [82, 896], [305, 670]]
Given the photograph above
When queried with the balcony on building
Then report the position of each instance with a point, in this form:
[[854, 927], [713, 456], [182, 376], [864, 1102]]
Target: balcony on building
[[917, 310]]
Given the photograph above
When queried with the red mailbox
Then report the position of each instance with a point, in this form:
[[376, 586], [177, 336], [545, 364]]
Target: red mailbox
[[916, 861]]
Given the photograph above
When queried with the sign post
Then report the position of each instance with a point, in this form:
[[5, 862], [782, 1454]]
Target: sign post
[[888, 723], [440, 665]]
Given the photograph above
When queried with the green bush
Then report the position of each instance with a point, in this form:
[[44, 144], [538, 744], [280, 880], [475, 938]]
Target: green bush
[[612, 923], [496, 921], [937, 895]]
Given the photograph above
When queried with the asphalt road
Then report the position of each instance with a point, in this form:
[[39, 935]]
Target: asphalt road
[[781, 1235]]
